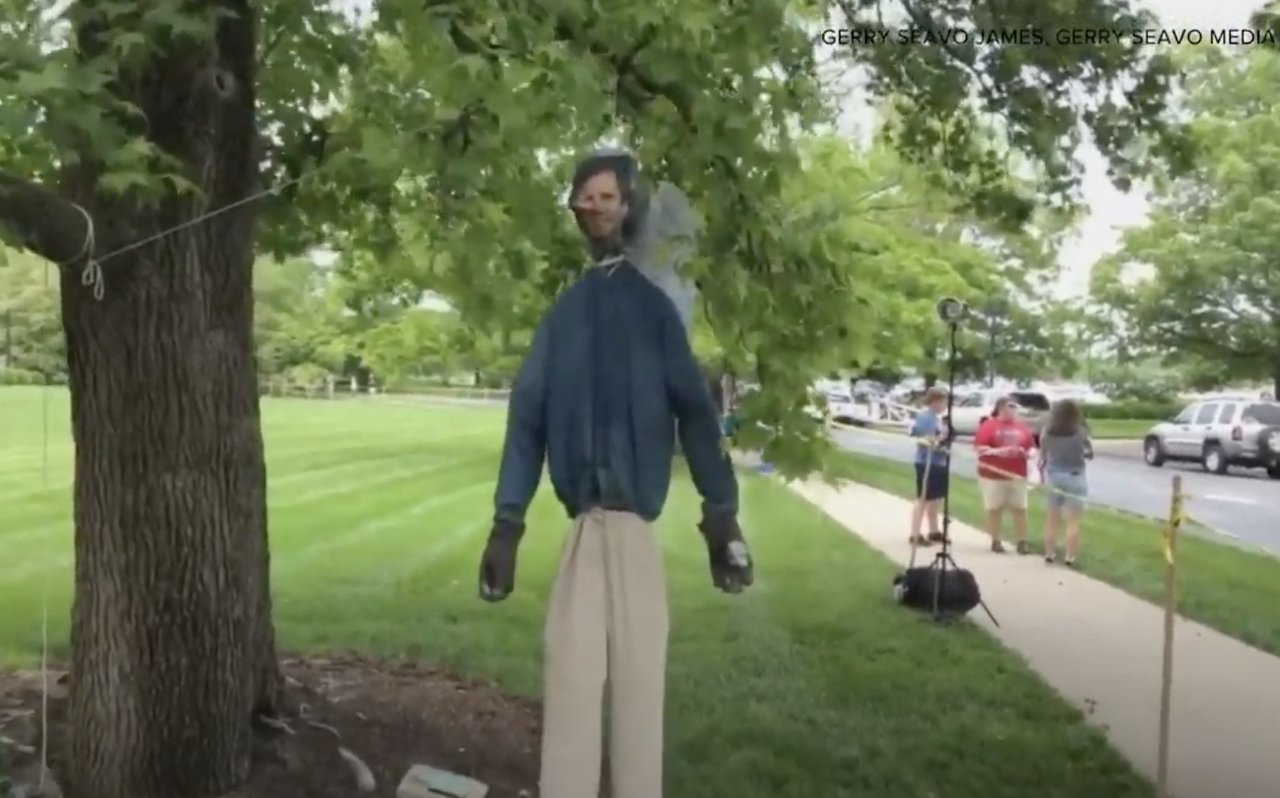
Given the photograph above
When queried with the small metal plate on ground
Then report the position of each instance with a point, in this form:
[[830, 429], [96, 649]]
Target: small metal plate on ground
[[427, 782]]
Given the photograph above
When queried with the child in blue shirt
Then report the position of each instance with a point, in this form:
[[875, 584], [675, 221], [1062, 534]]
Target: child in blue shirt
[[931, 467]]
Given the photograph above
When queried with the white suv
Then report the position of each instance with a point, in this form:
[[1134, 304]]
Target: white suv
[[1219, 433]]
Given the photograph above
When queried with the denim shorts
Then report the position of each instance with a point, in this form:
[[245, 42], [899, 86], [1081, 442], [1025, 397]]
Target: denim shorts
[[1066, 490]]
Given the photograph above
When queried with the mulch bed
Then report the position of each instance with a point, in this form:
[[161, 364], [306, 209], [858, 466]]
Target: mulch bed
[[390, 715]]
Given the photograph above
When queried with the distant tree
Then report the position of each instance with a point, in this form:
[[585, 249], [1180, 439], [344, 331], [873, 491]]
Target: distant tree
[[30, 325], [1198, 281]]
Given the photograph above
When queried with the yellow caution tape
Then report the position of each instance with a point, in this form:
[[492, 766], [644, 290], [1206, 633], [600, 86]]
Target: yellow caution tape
[[1176, 516]]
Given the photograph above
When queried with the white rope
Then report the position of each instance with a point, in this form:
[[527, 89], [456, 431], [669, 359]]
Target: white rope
[[44, 580], [93, 276], [90, 237], [610, 264], [266, 192]]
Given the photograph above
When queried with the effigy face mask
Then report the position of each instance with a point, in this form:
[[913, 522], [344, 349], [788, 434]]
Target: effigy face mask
[[617, 216], [607, 201]]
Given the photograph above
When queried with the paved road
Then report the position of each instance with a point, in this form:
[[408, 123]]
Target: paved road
[[1241, 505]]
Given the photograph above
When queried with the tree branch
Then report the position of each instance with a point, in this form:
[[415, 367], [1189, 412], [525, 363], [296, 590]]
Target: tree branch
[[627, 71], [42, 222]]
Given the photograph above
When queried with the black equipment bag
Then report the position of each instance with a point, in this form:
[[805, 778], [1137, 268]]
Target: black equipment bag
[[957, 587]]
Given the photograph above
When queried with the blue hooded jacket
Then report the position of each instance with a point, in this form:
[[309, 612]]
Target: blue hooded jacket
[[609, 378]]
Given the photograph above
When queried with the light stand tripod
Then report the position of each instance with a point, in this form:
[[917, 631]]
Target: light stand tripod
[[951, 311]]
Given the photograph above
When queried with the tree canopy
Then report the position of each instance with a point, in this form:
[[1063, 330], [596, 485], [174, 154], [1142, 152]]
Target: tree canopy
[[430, 146], [1198, 282]]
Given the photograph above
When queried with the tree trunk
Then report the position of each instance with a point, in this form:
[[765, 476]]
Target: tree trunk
[[172, 644]]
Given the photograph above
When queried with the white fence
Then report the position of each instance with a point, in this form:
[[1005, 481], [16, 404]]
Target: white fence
[[871, 411], [337, 390]]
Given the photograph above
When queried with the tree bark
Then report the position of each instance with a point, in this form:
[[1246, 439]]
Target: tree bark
[[39, 219], [172, 644], [173, 649]]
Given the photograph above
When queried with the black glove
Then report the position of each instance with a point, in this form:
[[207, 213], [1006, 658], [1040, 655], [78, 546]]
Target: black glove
[[731, 567], [498, 563]]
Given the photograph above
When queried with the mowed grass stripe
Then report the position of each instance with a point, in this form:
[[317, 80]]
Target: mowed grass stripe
[[33, 522], [296, 526], [35, 534], [19, 519], [42, 507], [25, 465], [301, 459], [812, 684], [387, 527], [23, 547]]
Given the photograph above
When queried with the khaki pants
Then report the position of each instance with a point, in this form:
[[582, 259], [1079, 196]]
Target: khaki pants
[[606, 625], [1003, 494]]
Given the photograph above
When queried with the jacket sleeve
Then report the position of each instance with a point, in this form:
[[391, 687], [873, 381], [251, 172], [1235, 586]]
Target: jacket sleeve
[[525, 444], [697, 421]]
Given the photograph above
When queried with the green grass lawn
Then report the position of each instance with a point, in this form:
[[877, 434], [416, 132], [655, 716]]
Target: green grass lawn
[[1120, 428], [811, 684], [1228, 588]]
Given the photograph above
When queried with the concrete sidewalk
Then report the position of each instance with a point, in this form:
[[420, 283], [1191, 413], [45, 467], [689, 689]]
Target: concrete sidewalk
[[1101, 649]]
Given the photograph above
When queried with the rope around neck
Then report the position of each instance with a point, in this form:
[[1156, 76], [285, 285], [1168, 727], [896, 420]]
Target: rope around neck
[[610, 264]]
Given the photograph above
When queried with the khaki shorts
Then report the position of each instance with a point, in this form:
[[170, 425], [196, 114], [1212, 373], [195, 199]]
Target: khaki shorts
[[1003, 494]]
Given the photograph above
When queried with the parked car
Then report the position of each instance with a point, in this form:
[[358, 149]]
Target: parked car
[[1219, 434], [859, 409], [971, 409], [839, 407], [834, 405]]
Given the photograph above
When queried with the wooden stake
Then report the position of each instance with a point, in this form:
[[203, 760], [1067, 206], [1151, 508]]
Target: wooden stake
[[1170, 617]]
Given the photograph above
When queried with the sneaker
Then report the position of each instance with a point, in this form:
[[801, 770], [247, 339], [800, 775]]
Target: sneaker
[[936, 537], [1070, 562], [918, 540], [1051, 558], [997, 547], [1023, 548]]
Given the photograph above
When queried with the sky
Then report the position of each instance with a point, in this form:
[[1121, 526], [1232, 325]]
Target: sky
[[1112, 211]]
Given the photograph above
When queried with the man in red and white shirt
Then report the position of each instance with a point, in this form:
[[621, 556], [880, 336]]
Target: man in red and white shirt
[[1004, 444]]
